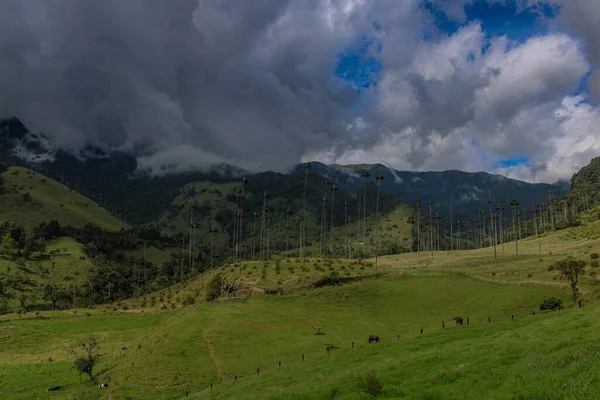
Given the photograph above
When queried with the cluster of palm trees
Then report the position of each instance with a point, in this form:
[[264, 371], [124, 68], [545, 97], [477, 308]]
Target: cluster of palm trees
[[261, 240], [496, 224]]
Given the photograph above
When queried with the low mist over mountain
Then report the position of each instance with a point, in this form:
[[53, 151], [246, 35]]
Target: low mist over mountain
[[117, 181]]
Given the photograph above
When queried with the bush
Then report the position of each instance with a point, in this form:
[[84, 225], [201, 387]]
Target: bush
[[188, 301], [213, 288], [552, 303], [370, 384], [594, 256], [594, 264]]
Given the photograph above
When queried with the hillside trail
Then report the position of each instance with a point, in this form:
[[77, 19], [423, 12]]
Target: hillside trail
[[211, 353]]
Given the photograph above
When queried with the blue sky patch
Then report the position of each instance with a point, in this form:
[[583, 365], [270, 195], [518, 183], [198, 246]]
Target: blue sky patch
[[512, 162], [358, 65]]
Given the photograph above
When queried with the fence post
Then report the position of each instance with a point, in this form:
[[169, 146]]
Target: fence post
[[421, 331], [352, 344], [302, 356], [443, 324], [280, 363], [467, 320], [489, 319], [257, 371], [534, 312], [236, 377], [211, 385], [513, 317], [398, 336]]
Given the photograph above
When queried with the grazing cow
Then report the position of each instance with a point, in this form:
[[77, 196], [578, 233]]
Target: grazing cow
[[459, 320], [373, 338], [50, 359], [123, 348], [103, 386]]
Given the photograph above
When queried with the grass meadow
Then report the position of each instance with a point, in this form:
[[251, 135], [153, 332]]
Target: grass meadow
[[176, 352]]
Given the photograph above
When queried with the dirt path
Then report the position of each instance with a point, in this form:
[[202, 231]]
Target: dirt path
[[211, 353]]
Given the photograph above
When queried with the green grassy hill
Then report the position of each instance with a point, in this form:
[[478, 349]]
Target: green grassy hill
[[214, 205], [174, 349], [30, 198]]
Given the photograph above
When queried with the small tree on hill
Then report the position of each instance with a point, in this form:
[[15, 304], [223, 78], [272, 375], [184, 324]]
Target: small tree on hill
[[86, 356], [570, 269], [213, 288]]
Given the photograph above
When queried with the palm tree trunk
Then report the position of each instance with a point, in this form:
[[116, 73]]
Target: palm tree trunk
[[377, 226], [303, 221], [430, 230]]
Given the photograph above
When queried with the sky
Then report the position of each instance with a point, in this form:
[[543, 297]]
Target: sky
[[503, 86]]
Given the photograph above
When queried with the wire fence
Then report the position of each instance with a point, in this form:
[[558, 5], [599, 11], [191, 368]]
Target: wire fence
[[318, 355]]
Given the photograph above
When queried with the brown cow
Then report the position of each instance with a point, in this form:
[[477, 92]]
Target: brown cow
[[459, 320], [373, 338], [50, 359]]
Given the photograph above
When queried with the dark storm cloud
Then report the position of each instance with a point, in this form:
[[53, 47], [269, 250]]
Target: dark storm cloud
[[248, 82]]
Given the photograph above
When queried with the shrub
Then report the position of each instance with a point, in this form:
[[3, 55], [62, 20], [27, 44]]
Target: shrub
[[594, 263], [213, 288], [291, 269], [277, 268], [370, 384], [263, 275], [188, 301], [529, 275], [594, 256], [552, 303], [125, 308]]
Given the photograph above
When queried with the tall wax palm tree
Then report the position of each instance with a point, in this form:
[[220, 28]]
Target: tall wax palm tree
[[269, 212], [468, 233], [191, 239], [287, 214], [550, 202], [303, 216], [263, 228], [494, 222], [493, 236], [534, 217], [458, 234], [324, 200], [300, 223], [365, 175], [241, 224], [500, 208], [514, 204], [254, 215], [437, 219], [483, 214], [430, 203], [524, 213], [378, 179], [451, 233], [346, 221], [334, 189], [212, 244], [324, 217], [418, 216]]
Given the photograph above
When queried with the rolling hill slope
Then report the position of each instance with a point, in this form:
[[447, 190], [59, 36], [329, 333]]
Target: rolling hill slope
[[30, 198]]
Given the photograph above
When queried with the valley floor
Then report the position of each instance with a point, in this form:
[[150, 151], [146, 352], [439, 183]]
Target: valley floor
[[504, 352]]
